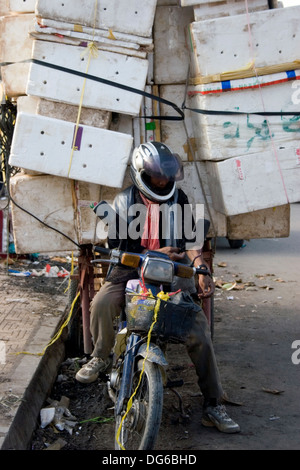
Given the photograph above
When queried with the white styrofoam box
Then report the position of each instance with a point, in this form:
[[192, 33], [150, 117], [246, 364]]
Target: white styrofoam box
[[167, 2], [273, 222], [141, 54], [10, 42], [66, 87], [188, 3], [134, 17], [85, 194], [210, 10], [145, 129], [193, 188], [191, 184], [15, 48], [173, 133], [223, 44], [253, 182], [4, 8], [50, 199], [15, 78], [22, 6], [171, 58], [219, 137], [61, 203], [45, 144], [130, 39], [84, 37], [195, 3], [65, 112]]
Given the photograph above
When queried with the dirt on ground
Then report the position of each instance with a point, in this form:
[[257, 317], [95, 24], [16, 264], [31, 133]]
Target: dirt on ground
[[255, 326]]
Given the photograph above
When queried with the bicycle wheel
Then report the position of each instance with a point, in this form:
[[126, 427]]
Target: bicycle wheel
[[140, 427]]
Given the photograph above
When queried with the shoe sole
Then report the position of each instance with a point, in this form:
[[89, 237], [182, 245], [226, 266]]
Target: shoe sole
[[86, 380], [209, 423]]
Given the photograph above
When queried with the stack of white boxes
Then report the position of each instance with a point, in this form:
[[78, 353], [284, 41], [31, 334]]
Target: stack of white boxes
[[247, 64], [73, 136], [201, 54], [172, 58]]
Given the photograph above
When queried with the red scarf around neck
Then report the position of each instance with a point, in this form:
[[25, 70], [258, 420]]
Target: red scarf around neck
[[150, 237]]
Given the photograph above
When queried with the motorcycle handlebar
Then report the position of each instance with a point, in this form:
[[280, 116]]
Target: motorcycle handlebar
[[102, 249], [134, 260]]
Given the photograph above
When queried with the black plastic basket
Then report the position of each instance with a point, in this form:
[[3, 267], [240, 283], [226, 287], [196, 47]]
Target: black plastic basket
[[175, 317]]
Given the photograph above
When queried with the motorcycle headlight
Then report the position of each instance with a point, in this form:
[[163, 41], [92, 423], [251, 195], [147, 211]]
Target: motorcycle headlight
[[158, 270]]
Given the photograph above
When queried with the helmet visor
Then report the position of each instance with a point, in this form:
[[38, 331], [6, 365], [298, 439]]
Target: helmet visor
[[166, 165]]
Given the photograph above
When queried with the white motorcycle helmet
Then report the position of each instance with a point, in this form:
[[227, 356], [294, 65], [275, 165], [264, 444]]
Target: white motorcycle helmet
[[154, 159]]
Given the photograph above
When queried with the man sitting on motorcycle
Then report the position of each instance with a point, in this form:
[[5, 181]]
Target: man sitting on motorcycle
[[154, 172]]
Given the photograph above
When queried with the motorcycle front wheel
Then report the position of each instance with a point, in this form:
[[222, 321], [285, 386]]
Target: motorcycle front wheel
[[140, 427]]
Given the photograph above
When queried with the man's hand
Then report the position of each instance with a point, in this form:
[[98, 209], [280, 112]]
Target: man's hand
[[173, 253], [206, 286]]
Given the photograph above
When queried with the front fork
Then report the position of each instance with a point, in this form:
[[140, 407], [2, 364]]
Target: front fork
[[153, 353], [127, 373]]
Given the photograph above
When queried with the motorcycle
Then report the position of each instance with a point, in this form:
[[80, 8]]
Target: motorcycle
[[153, 316]]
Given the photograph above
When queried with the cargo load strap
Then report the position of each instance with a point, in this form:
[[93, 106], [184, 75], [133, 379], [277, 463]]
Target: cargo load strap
[[179, 111]]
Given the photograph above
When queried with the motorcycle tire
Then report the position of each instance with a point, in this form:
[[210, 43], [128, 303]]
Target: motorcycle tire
[[140, 428]]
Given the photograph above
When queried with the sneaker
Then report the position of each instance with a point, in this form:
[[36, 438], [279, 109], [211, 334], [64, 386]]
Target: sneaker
[[217, 416], [90, 371]]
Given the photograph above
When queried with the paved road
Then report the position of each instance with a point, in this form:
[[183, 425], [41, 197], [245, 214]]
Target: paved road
[[254, 333], [281, 255]]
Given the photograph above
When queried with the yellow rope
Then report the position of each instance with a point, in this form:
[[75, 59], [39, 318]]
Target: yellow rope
[[57, 335], [245, 72], [92, 53]]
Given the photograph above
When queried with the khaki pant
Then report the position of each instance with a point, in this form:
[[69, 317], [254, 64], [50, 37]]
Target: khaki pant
[[107, 304]]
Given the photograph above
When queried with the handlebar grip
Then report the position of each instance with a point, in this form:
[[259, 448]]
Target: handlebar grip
[[102, 249]]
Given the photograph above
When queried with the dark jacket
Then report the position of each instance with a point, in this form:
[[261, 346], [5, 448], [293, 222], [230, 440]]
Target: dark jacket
[[122, 203]]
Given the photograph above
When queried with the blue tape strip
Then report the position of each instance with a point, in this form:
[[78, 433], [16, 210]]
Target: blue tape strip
[[291, 74], [226, 85]]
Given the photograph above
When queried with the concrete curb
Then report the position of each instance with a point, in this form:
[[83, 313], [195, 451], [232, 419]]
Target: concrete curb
[[33, 377]]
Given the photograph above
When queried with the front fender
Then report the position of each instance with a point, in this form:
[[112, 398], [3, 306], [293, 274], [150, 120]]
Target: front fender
[[153, 354]]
